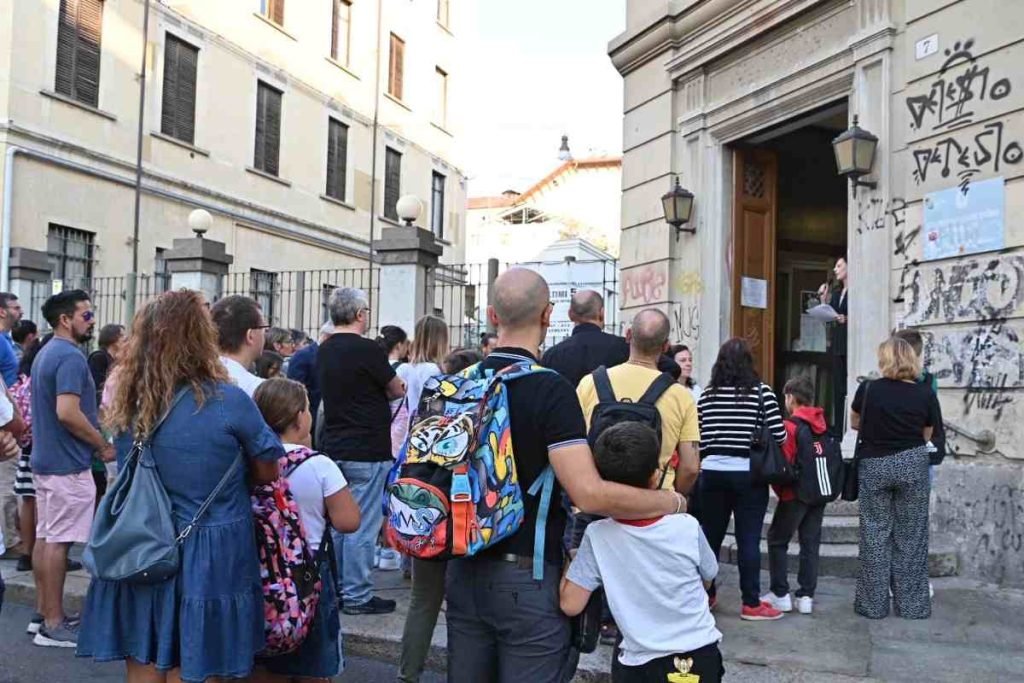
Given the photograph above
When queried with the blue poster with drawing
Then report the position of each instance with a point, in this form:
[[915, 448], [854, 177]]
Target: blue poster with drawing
[[958, 222]]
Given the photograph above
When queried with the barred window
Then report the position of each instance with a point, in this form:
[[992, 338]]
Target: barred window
[[263, 288], [71, 254], [161, 273]]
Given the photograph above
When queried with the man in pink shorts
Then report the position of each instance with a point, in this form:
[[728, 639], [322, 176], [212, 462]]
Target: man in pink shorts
[[65, 436]]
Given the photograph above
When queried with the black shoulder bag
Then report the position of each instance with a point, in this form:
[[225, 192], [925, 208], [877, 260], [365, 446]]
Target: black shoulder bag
[[767, 463], [851, 476]]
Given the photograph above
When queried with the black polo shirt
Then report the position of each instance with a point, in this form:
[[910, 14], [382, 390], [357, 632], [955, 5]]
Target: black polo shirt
[[586, 350], [544, 415]]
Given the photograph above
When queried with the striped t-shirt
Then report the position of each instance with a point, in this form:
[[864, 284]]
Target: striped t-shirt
[[727, 418]]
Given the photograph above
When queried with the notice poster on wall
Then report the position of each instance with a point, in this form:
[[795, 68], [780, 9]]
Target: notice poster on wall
[[956, 223], [754, 293]]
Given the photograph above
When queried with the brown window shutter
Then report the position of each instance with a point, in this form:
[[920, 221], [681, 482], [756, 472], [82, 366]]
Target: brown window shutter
[[188, 67], [399, 68], [277, 11], [334, 29], [392, 183], [171, 97], [268, 129], [87, 53], [67, 37], [261, 135], [337, 153]]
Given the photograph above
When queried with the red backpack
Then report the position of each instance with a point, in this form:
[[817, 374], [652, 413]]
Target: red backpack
[[289, 571]]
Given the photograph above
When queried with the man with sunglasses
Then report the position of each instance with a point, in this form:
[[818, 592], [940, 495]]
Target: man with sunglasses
[[65, 436]]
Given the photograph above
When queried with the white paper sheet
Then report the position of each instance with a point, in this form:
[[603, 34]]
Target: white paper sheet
[[823, 313], [754, 293]]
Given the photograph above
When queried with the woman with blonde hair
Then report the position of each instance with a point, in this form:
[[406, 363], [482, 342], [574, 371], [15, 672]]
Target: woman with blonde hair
[[895, 416], [429, 349], [207, 620]]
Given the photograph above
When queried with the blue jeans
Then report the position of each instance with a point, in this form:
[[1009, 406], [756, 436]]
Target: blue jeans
[[733, 494], [355, 551]]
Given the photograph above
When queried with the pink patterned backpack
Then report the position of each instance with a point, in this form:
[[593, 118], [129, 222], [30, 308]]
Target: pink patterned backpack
[[289, 571], [22, 393]]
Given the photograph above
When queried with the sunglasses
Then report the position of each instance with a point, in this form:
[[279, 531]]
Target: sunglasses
[[88, 316]]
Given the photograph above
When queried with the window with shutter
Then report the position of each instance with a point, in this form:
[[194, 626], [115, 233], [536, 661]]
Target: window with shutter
[[268, 128], [178, 117], [341, 31], [337, 158], [441, 105], [437, 205], [396, 66], [79, 33], [392, 183], [273, 10]]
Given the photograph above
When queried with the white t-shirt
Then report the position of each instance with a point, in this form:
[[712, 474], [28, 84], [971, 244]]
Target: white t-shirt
[[415, 375], [310, 483], [653, 576], [245, 380]]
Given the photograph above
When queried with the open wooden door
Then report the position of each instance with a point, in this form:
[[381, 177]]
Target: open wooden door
[[754, 216]]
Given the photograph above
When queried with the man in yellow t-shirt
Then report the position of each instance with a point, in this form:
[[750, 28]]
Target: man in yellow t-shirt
[[648, 340]]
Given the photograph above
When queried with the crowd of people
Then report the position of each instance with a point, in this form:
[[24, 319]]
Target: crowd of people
[[649, 469]]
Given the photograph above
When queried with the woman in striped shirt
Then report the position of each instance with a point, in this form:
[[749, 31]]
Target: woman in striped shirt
[[732, 406]]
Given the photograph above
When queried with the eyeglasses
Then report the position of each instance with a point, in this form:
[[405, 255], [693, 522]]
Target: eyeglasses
[[88, 316], [262, 327]]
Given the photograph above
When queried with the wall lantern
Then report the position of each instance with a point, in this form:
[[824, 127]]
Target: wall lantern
[[408, 209], [678, 206], [855, 155]]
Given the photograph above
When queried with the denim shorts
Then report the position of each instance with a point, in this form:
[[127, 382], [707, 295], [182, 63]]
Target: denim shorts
[[319, 656]]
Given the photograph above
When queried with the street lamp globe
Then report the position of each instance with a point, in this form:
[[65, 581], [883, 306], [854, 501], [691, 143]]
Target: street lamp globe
[[199, 221], [855, 153], [677, 204], [409, 208]]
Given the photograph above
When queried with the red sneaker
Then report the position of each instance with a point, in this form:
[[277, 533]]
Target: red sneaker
[[763, 612]]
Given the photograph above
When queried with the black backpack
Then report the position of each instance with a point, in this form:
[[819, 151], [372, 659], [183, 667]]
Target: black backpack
[[610, 410], [819, 465]]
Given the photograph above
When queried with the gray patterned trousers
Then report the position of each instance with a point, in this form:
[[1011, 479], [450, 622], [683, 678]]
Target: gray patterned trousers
[[894, 494]]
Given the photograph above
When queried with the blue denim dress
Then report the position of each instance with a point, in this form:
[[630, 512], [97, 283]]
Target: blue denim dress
[[207, 619]]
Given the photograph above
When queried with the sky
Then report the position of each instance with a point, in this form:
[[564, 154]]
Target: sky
[[538, 69]]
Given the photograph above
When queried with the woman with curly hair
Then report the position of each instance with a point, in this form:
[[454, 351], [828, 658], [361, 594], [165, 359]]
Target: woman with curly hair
[[735, 404], [207, 620]]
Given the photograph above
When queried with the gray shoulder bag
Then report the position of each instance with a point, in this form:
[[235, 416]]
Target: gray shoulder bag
[[133, 537]]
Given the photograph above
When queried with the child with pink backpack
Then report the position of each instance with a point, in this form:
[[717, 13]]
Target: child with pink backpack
[[318, 490]]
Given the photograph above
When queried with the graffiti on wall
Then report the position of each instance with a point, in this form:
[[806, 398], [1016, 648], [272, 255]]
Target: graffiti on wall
[[685, 320], [976, 289], [981, 358], [645, 285], [961, 83], [875, 214], [991, 522], [947, 107]]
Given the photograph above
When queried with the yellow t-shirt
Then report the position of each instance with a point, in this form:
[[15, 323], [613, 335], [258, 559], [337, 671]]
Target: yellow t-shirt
[[676, 406]]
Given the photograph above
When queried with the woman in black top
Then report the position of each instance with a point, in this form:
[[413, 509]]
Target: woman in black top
[[837, 348], [895, 416]]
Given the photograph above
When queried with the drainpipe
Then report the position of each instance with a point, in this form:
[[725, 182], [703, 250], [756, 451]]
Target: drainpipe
[[5, 230]]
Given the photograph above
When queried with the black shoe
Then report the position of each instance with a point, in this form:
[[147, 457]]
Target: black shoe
[[73, 566], [25, 563], [609, 634], [374, 605]]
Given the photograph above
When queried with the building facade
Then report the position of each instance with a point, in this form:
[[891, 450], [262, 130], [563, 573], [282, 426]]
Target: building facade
[[741, 99], [297, 124]]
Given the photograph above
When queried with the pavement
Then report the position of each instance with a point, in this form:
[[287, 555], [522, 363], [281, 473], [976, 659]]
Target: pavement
[[975, 634]]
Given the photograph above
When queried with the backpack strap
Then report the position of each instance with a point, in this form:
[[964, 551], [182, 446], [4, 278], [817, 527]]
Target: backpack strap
[[603, 385], [658, 387], [302, 455], [544, 484]]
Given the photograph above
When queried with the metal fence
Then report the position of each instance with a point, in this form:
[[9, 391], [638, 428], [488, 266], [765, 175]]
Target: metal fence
[[109, 296], [297, 299], [461, 292]]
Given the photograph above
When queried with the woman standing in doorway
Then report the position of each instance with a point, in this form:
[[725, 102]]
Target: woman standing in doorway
[[837, 348], [735, 404], [683, 357]]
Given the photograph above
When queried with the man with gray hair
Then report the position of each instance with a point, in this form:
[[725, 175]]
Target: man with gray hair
[[590, 346], [356, 383]]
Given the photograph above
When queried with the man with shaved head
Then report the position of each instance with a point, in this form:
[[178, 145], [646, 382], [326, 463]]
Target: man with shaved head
[[648, 341], [504, 625], [590, 346]]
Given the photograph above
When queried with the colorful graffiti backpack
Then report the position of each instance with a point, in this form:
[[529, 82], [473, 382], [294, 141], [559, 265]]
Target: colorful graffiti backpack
[[454, 489], [22, 393], [289, 571]]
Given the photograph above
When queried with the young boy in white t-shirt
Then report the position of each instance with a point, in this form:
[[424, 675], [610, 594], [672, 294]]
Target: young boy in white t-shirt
[[653, 571]]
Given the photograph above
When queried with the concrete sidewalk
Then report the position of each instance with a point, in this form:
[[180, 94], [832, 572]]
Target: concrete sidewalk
[[975, 634]]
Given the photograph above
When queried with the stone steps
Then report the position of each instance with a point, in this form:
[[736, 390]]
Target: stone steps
[[834, 529], [841, 559]]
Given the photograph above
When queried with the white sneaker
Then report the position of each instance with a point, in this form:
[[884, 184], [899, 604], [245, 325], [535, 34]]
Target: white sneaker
[[931, 590], [376, 557], [390, 560], [783, 604], [804, 604]]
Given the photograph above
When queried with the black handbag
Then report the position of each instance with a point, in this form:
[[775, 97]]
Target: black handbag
[[851, 476], [767, 463]]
